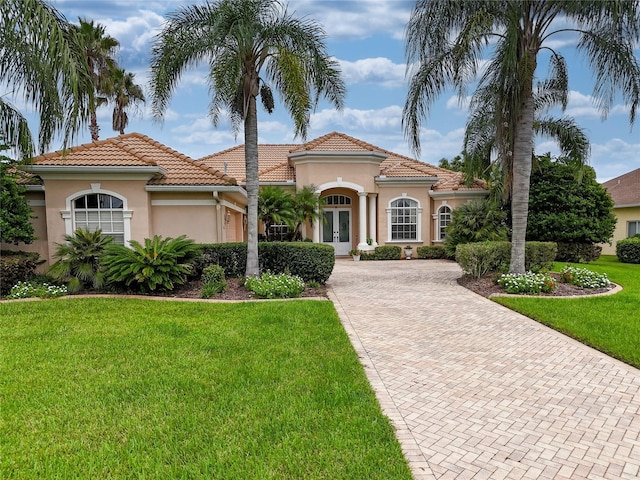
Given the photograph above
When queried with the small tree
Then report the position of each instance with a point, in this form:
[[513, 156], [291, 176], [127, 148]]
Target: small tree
[[568, 205], [275, 207], [307, 207], [475, 221], [15, 213]]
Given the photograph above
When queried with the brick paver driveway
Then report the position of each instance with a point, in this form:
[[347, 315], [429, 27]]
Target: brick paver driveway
[[478, 391]]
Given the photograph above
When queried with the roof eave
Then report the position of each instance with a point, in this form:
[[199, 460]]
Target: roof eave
[[46, 170], [196, 188], [458, 193]]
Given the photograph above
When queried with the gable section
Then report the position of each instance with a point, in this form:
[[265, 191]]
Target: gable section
[[272, 162], [625, 189]]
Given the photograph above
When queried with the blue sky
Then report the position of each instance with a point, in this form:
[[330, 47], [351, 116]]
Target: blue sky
[[367, 38]]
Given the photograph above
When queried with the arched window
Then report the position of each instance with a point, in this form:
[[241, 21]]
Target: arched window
[[404, 220], [93, 211], [337, 200], [444, 219]]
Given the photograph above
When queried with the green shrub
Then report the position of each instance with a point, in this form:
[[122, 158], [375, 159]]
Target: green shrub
[[213, 281], [432, 251], [384, 252], [35, 289], [583, 277], [271, 285], [539, 256], [527, 283], [310, 261], [578, 252], [79, 260], [159, 264], [628, 250], [232, 257], [478, 259], [16, 266]]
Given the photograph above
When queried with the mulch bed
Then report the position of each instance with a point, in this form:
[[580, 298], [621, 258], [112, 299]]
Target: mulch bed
[[485, 286], [234, 291]]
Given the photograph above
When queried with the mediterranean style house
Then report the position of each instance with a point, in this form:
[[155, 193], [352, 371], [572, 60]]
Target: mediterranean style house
[[133, 187], [625, 192]]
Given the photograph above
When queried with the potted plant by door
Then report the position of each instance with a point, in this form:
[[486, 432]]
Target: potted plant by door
[[408, 251], [355, 253]]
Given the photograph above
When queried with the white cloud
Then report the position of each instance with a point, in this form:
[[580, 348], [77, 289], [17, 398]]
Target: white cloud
[[614, 157], [387, 118], [378, 70]]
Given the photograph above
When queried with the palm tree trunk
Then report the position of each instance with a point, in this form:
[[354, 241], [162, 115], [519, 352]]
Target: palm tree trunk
[[251, 165], [93, 127], [522, 155]]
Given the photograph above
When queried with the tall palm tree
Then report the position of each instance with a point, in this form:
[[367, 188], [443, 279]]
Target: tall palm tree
[[251, 47], [99, 50], [124, 93], [40, 64], [445, 41], [481, 134]]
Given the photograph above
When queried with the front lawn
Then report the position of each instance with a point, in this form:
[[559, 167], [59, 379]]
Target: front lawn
[[126, 388], [610, 323]]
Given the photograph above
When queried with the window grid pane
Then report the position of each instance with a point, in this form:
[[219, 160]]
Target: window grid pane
[[100, 211], [404, 220]]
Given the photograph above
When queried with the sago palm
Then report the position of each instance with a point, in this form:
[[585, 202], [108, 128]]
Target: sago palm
[[78, 259], [251, 47], [39, 64], [447, 38]]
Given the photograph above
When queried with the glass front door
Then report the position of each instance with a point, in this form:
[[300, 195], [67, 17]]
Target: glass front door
[[336, 230]]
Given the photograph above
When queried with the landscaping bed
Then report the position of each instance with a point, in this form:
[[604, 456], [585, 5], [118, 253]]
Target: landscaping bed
[[486, 287]]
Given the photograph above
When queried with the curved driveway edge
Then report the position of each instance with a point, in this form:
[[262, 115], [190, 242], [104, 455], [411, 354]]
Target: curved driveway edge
[[476, 390]]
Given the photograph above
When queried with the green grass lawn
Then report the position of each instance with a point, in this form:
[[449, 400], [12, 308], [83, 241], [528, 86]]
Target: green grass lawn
[[610, 323], [125, 388]]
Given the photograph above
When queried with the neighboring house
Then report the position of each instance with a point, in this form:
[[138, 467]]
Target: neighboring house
[[133, 187], [625, 192]]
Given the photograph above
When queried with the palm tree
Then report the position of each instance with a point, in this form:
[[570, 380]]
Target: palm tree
[[445, 40], [124, 93], [275, 207], [251, 47], [307, 205], [481, 134], [99, 50], [39, 62]]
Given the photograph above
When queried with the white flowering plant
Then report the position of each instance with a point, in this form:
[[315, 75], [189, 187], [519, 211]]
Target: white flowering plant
[[583, 277], [270, 285], [36, 289], [527, 283]]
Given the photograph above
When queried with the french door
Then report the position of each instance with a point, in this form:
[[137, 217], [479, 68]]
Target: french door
[[336, 230]]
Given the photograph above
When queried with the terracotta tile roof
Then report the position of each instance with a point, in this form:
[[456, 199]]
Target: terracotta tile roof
[[625, 189], [24, 178], [272, 162], [135, 149]]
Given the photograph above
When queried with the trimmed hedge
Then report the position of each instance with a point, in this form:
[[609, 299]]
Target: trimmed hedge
[[384, 252], [432, 252], [578, 252], [628, 250], [16, 266], [309, 261], [479, 259]]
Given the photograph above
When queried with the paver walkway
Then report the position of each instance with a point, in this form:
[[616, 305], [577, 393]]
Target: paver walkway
[[478, 391]]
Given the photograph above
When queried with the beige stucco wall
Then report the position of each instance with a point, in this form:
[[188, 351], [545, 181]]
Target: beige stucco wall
[[386, 195], [328, 170], [624, 215], [58, 191], [182, 213]]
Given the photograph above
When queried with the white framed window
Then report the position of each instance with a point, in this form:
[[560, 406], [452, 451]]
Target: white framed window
[[337, 200], [403, 218], [93, 211], [443, 219], [633, 228]]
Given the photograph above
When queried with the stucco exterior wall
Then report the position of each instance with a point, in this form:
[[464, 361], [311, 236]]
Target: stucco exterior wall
[[326, 171], [386, 195], [182, 213], [624, 215]]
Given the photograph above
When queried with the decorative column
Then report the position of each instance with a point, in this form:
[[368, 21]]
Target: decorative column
[[363, 221], [316, 230], [373, 219]]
